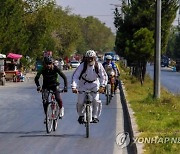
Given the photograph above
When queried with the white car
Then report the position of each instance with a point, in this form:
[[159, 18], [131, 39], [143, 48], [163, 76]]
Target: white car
[[74, 64], [116, 57]]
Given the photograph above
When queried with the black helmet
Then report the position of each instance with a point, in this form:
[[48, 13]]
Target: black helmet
[[48, 60]]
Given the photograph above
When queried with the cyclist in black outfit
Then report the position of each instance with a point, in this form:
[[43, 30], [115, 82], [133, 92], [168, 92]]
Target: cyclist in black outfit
[[50, 81]]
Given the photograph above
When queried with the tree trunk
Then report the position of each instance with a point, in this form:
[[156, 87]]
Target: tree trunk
[[142, 71]]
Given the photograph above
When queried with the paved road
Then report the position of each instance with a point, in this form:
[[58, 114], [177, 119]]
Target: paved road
[[169, 79], [22, 130]]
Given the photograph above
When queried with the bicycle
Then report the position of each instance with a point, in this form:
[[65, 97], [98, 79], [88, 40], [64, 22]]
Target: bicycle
[[52, 112], [87, 109], [110, 87]]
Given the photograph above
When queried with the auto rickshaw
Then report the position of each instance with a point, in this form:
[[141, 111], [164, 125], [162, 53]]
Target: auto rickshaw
[[2, 72], [12, 66]]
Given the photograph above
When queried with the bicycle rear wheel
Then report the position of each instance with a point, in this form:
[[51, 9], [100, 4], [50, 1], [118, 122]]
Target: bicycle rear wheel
[[113, 89], [108, 94], [87, 124], [49, 119]]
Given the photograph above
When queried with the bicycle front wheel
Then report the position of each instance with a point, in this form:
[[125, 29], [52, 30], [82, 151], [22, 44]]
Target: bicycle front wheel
[[55, 121], [87, 124], [49, 119], [55, 124]]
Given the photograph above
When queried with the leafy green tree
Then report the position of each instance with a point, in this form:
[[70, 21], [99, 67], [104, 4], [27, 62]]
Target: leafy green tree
[[169, 9], [67, 33], [143, 47], [171, 43], [176, 52], [29, 27], [141, 14], [96, 35], [40, 26], [12, 31]]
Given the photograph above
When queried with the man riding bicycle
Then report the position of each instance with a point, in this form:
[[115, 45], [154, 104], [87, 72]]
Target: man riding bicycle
[[110, 67], [50, 81], [89, 75]]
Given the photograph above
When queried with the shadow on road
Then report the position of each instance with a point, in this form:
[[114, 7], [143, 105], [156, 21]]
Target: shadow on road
[[55, 135], [42, 134], [22, 132]]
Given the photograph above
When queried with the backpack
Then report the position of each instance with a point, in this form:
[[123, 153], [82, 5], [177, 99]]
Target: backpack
[[85, 68]]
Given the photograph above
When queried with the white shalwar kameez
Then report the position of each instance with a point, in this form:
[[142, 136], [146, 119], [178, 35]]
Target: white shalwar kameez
[[99, 79]]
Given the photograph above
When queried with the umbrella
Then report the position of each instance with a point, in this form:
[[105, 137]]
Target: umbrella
[[14, 56]]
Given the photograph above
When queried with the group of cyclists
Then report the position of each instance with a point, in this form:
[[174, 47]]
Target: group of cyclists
[[89, 75]]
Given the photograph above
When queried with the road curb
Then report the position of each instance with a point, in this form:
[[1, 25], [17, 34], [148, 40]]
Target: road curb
[[130, 125]]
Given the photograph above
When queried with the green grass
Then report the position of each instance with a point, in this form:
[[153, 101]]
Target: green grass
[[154, 117]]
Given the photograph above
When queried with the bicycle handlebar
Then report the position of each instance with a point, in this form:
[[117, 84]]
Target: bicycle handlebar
[[59, 90], [88, 91]]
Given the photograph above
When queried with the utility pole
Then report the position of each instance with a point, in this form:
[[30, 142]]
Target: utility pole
[[157, 65], [179, 14]]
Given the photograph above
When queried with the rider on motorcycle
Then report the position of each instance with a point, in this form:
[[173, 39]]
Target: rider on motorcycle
[[50, 81], [86, 77]]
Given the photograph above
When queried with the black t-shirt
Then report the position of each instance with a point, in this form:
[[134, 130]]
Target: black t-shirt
[[50, 76]]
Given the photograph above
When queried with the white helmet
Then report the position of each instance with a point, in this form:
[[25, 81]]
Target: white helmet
[[90, 53], [109, 57]]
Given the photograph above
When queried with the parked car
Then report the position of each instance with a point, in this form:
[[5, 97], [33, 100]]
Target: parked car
[[116, 58], [74, 64]]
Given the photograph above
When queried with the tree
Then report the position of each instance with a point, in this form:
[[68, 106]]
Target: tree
[[171, 43], [12, 31], [40, 25], [142, 45], [29, 27], [96, 35], [67, 32], [141, 14], [176, 52]]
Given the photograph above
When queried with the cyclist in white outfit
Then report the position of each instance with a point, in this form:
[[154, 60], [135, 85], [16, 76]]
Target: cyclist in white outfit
[[90, 75]]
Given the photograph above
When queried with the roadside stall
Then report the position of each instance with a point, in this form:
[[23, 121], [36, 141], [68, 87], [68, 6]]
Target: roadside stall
[[12, 68], [2, 72]]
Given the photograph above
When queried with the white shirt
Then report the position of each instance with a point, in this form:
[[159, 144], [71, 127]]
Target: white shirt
[[99, 79]]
